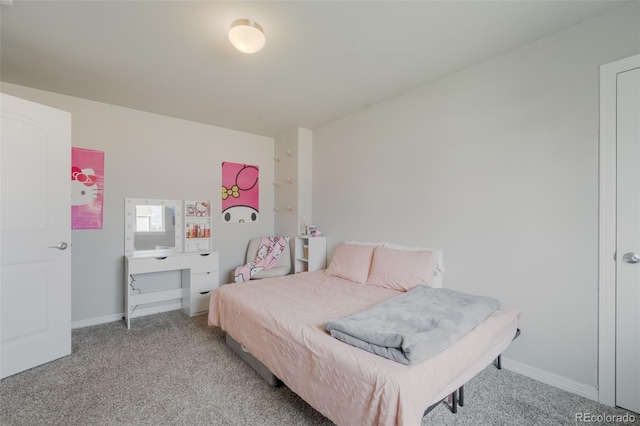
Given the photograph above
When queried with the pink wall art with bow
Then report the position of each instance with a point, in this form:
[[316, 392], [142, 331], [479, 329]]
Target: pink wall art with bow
[[240, 193], [87, 184]]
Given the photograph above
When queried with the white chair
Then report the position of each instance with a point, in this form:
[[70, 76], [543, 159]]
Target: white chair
[[282, 267]]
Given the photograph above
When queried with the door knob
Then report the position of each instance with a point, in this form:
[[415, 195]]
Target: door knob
[[631, 257], [61, 246]]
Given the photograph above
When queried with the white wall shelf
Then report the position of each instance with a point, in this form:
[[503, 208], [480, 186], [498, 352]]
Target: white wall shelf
[[310, 253], [197, 222]]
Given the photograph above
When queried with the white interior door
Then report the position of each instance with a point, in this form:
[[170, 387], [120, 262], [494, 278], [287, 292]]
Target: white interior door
[[628, 241], [35, 222]]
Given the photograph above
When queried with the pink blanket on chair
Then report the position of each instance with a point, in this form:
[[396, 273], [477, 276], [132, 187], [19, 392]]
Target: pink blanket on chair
[[269, 251]]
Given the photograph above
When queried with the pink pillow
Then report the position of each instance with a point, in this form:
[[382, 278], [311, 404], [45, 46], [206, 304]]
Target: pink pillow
[[399, 269], [351, 262]]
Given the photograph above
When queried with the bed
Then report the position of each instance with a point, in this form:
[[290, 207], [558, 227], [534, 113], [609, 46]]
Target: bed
[[279, 321]]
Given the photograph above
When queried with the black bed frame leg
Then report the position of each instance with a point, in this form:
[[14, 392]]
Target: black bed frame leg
[[457, 397], [499, 359]]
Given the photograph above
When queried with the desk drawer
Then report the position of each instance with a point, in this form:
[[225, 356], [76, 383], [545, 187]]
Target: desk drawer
[[144, 265], [204, 282], [204, 262], [200, 302]]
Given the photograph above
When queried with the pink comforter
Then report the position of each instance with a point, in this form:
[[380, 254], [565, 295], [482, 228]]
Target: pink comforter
[[279, 321]]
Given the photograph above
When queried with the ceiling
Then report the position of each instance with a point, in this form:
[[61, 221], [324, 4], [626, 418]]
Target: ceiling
[[323, 59]]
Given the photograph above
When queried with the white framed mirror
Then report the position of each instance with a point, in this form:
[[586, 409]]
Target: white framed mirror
[[152, 226]]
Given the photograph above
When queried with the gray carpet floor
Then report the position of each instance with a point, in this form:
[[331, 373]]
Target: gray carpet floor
[[170, 369]]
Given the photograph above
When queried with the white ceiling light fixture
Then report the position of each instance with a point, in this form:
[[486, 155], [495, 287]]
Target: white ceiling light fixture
[[246, 36]]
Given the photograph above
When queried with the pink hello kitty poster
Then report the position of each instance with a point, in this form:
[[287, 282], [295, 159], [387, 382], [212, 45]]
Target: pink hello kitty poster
[[87, 183], [240, 193]]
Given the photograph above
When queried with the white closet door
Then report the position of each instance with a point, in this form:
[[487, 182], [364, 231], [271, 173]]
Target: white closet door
[[628, 241], [35, 281]]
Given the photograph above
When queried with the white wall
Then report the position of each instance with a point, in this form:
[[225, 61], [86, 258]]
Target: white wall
[[293, 172], [498, 165], [152, 156]]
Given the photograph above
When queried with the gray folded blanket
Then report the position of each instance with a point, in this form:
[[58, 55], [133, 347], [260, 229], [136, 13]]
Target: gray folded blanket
[[414, 326]]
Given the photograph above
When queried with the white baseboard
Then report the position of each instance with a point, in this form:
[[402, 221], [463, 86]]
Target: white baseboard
[[589, 392], [119, 317], [96, 321]]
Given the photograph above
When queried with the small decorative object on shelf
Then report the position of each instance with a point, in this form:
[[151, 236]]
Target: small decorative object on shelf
[[202, 209], [303, 225], [197, 209], [313, 231]]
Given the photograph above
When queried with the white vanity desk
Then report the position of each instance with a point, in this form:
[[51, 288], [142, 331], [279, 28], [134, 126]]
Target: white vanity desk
[[199, 278], [156, 241]]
